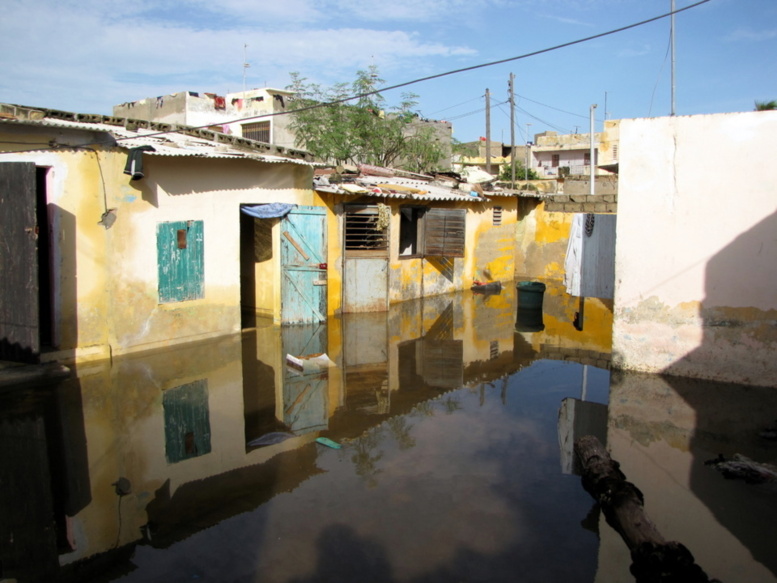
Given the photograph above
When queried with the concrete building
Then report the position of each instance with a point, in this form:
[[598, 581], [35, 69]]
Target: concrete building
[[696, 247], [555, 155], [226, 114]]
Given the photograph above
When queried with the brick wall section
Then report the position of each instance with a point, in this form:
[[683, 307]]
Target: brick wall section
[[581, 355], [582, 203]]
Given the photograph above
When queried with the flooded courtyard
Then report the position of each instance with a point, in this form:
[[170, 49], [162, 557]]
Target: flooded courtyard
[[454, 418]]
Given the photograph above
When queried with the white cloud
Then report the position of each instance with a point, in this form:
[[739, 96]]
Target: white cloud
[[635, 52], [746, 34], [88, 59]]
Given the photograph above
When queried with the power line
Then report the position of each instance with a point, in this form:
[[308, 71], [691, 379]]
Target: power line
[[457, 105], [453, 72]]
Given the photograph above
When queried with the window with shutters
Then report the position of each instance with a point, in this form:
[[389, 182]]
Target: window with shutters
[[259, 131], [366, 230], [431, 232], [444, 232], [180, 261]]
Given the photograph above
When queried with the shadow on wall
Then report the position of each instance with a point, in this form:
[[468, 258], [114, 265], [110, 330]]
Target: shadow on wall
[[739, 312], [729, 417]]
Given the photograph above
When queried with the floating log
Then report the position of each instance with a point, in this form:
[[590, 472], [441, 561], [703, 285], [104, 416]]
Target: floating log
[[654, 559], [740, 467]]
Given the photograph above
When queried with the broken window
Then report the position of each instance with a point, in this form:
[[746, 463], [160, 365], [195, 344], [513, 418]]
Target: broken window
[[259, 131], [366, 229]]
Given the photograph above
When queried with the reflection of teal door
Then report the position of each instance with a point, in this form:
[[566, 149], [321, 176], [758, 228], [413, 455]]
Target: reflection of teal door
[[304, 394], [303, 255]]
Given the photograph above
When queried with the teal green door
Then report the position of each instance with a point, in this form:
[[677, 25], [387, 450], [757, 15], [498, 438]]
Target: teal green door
[[303, 265]]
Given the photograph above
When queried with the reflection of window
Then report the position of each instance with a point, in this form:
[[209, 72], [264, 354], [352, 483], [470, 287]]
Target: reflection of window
[[434, 232], [187, 421], [259, 131], [180, 261], [366, 230]]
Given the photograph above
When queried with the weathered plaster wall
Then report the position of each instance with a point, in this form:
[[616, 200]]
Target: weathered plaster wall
[[696, 247], [105, 283], [542, 239]]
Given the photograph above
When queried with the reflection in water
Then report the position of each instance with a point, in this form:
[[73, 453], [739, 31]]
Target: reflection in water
[[450, 468]]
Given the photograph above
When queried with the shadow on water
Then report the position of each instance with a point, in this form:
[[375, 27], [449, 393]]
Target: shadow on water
[[662, 428], [448, 417]]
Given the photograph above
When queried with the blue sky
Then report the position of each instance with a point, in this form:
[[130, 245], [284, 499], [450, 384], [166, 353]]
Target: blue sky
[[88, 55]]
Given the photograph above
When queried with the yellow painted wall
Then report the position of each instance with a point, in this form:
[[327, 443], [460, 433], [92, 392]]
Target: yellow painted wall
[[105, 281], [490, 252], [542, 241]]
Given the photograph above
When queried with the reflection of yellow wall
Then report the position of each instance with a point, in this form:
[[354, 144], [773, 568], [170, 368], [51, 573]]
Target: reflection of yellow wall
[[105, 281], [559, 310], [125, 435]]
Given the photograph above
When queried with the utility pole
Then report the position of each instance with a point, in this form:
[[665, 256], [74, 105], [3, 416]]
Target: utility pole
[[488, 131], [528, 152], [671, 42], [512, 130], [593, 152], [246, 64]]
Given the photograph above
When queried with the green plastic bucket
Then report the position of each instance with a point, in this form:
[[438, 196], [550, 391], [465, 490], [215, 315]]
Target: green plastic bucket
[[530, 295]]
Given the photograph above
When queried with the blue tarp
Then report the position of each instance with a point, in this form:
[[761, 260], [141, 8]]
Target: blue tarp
[[272, 210]]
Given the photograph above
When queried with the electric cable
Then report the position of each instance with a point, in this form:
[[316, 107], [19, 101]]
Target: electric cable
[[435, 76], [447, 73]]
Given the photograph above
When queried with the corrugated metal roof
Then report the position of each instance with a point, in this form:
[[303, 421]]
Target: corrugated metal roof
[[167, 139], [402, 188]]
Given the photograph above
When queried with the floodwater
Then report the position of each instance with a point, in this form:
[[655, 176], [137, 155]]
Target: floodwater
[[455, 416]]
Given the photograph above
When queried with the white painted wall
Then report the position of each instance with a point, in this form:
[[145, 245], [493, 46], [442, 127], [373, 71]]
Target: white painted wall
[[696, 256]]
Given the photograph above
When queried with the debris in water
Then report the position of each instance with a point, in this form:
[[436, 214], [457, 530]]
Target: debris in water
[[328, 442]]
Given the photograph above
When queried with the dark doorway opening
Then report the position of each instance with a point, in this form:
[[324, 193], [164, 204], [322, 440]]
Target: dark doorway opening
[[45, 296]]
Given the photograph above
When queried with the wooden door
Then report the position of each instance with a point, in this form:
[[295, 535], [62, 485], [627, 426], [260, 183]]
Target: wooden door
[[19, 313], [303, 265]]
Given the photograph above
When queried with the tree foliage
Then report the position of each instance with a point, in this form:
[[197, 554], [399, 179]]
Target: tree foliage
[[361, 130], [506, 173], [765, 105]]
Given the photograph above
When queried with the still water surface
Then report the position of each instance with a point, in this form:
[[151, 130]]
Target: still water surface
[[455, 419]]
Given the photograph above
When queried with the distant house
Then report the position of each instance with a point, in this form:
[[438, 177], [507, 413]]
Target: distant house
[[233, 114], [222, 113], [555, 155], [123, 235]]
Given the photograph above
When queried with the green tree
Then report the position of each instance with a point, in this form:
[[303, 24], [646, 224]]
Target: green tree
[[505, 173], [765, 105], [361, 130]]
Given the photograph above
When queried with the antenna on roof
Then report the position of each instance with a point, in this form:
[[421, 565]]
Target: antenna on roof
[[246, 64]]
